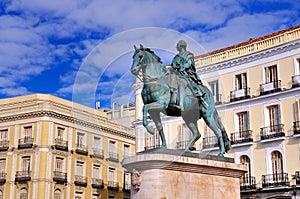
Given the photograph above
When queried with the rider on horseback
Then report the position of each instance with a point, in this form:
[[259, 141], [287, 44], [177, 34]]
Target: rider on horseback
[[184, 63]]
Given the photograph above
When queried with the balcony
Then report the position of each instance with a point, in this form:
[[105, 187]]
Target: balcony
[[80, 180], [295, 81], [241, 137], [247, 183], [26, 142], [97, 183], [112, 185], [60, 177], [239, 94], [3, 145], [270, 87], [210, 142], [270, 132], [126, 187], [296, 127], [2, 177], [22, 176], [81, 149], [61, 144], [112, 156], [98, 153], [275, 180]]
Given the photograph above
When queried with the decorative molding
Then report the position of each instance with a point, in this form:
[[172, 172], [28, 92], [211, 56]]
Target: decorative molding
[[71, 119], [250, 58]]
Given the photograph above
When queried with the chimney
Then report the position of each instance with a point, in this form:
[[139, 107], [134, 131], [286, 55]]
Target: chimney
[[98, 105]]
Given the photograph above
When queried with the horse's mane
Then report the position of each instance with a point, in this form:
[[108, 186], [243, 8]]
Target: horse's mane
[[154, 55]]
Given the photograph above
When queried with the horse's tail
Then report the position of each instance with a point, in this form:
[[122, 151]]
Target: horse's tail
[[226, 140]]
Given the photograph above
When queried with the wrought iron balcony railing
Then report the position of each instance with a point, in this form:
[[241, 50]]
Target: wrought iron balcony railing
[[4, 145], [148, 147], [126, 187], [275, 180], [295, 81], [80, 180], [22, 176], [272, 132], [181, 144], [60, 177], [247, 183], [98, 153], [81, 149], [270, 87], [241, 137], [97, 183], [113, 156], [210, 142], [113, 185], [26, 142], [61, 144], [2, 177], [296, 127], [240, 94]]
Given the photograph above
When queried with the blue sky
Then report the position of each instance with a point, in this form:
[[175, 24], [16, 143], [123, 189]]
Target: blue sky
[[82, 50]]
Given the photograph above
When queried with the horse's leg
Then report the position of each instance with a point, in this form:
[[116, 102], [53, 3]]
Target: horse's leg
[[152, 106], [212, 123], [155, 116], [191, 122]]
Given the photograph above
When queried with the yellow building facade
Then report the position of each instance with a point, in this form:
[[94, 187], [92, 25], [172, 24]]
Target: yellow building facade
[[54, 148], [256, 86]]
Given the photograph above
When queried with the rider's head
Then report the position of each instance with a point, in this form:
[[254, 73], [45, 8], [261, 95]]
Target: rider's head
[[181, 44]]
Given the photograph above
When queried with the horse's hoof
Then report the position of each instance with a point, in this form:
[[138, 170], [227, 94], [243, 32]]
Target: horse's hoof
[[221, 154], [192, 148]]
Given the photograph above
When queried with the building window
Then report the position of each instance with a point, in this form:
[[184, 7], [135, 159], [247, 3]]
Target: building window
[[240, 81], [112, 174], [3, 135], [214, 88], [25, 164], [245, 160], [127, 181], [243, 121], [28, 132], [79, 168], [96, 171], [57, 194], [112, 149], [97, 143], [80, 141], [2, 167], [274, 117], [24, 194], [60, 133], [277, 163], [271, 74], [59, 164], [152, 141], [126, 152]]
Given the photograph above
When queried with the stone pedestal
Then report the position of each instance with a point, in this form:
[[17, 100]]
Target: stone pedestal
[[170, 174]]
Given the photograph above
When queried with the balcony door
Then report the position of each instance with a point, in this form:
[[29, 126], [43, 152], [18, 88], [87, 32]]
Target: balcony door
[[241, 81], [271, 74], [277, 166], [274, 117]]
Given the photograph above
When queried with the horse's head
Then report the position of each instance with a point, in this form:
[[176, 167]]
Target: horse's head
[[138, 60]]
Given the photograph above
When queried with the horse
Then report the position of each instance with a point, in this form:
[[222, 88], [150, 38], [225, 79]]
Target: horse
[[156, 94]]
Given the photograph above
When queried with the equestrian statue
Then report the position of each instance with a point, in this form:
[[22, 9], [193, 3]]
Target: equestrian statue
[[176, 91]]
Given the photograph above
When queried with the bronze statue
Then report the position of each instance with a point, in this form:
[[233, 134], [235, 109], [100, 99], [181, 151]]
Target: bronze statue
[[158, 88]]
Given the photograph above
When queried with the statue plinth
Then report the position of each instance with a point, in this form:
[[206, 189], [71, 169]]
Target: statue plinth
[[171, 174]]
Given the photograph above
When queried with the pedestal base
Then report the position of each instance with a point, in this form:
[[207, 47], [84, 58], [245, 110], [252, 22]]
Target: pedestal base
[[171, 176]]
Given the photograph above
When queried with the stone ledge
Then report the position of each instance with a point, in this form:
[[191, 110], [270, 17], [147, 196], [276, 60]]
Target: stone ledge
[[159, 160]]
